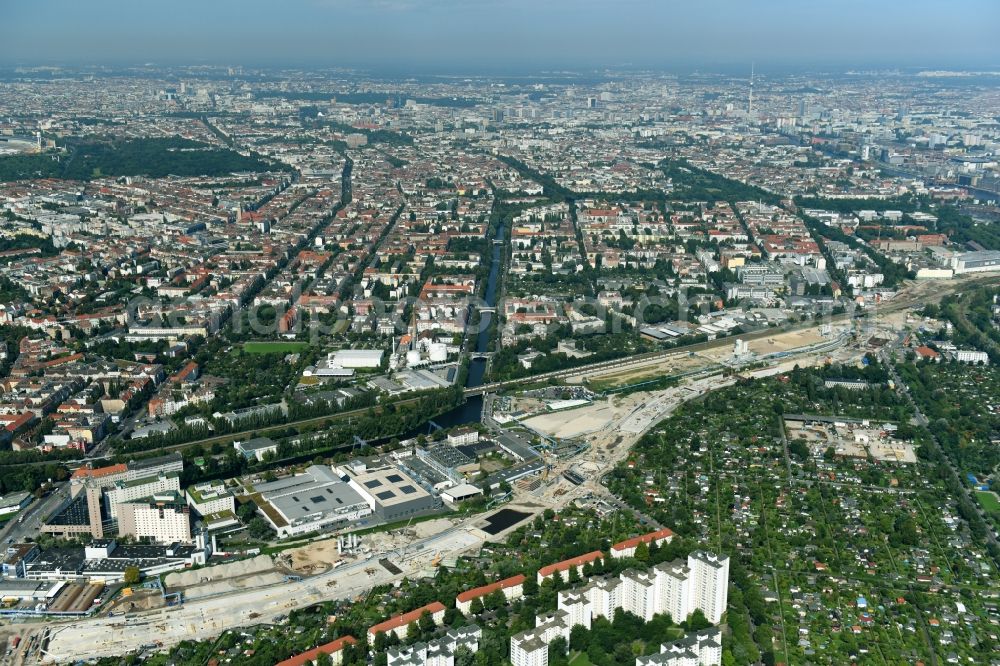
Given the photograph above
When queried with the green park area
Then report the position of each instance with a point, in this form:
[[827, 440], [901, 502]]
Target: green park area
[[989, 501], [273, 347]]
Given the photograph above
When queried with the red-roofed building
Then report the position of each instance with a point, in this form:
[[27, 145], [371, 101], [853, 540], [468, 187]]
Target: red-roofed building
[[397, 625], [932, 240], [927, 353], [188, 373], [511, 587], [627, 548], [573, 562], [62, 360], [85, 473], [333, 649], [14, 423]]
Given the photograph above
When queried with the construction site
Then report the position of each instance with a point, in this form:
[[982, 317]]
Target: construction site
[[850, 438]]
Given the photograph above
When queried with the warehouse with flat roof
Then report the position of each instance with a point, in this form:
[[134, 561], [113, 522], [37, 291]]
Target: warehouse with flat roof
[[310, 501], [391, 492], [976, 262], [358, 358]]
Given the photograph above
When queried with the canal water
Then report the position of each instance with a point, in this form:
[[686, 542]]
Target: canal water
[[471, 410]]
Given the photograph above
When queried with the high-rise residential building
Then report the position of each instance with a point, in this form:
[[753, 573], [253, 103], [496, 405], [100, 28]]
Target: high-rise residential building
[[531, 647], [438, 652], [672, 589], [703, 648], [605, 595], [128, 491], [163, 518], [576, 604], [639, 593], [709, 584], [675, 588]]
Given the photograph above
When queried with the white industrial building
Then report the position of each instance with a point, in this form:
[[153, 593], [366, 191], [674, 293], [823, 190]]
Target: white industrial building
[[342, 364], [976, 262], [14, 502], [358, 358], [391, 493], [256, 447]]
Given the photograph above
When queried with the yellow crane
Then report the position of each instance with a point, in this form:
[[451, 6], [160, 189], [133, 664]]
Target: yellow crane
[[437, 559]]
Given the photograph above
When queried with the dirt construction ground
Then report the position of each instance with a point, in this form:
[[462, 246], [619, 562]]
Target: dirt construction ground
[[574, 422], [241, 575], [639, 372], [318, 557]]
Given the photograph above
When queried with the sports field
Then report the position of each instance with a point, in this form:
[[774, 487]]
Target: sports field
[[273, 347], [989, 501]]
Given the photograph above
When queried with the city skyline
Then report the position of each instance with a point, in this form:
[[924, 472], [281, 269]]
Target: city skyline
[[510, 35]]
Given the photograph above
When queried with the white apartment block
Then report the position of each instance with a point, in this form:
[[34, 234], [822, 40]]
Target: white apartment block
[[673, 583], [531, 647], [675, 588], [210, 497], [605, 596], [528, 650], [135, 489], [703, 648], [576, 605], [638, 594], [709, 584], [163, 518], [972, 356], [439, 652]]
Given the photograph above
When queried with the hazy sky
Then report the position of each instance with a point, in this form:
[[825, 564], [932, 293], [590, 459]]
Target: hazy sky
[[461, 35]]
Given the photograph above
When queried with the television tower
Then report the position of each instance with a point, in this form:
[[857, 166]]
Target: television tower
[[750, 102]]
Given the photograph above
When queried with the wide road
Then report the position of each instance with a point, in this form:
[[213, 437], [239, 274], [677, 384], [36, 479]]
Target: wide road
[[29, 520]]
